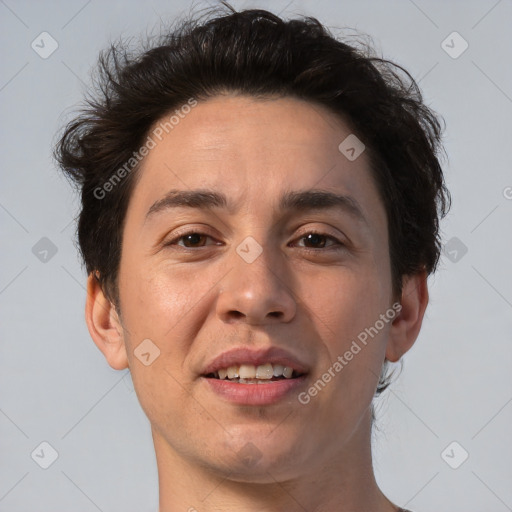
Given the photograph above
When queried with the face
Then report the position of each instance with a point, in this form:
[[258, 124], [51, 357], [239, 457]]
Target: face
[[270, 272]]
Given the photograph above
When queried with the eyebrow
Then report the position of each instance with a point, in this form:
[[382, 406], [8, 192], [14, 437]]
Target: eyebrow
[[299, 201]]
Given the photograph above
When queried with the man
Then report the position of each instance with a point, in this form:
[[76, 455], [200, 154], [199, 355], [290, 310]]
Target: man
[[260, 212]]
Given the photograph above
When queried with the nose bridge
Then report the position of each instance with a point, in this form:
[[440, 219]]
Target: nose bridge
[[255, 290]]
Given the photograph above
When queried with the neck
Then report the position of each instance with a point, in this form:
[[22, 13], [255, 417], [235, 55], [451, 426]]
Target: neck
[[344, 483]]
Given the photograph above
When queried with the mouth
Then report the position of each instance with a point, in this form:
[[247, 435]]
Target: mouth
[[246, 373], [244, 376]]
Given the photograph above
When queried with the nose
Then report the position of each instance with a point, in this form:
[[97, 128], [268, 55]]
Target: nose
[[256, 292]]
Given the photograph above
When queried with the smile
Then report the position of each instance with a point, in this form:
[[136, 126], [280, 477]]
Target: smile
[[251, 374]]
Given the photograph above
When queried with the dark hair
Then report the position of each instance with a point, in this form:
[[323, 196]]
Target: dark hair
[[256, 53]]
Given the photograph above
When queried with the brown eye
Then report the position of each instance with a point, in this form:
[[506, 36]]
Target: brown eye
[[190, 240], [315, 240], [193, 239]]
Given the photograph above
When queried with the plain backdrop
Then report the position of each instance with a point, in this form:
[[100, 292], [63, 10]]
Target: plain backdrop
[[453, 398]]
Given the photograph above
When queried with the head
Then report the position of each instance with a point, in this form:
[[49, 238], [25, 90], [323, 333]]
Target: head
[[245, 133]]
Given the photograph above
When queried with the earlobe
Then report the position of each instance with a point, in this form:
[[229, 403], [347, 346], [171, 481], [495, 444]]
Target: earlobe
[[407, 324], [104, 325]]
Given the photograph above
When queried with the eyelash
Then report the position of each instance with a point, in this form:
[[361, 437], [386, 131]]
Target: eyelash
[[338, 243]]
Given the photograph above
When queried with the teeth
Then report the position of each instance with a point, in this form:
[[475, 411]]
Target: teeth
[[233, 372], [278, 370], [287, 372], [265, 371], [246, 372]]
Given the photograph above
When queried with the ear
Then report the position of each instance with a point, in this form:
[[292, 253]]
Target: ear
[[104, 325], [407, 324]]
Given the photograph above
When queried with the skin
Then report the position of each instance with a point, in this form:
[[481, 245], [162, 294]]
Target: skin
[[194, 305]]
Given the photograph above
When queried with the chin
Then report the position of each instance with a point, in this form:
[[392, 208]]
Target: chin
[[263, 471], [259, 457]]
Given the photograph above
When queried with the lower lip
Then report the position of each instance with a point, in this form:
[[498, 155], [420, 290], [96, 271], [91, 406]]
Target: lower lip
[[255, 394]]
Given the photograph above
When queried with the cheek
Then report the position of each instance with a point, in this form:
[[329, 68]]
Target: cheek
[[344, 302], [169, 306], [346, 307], [159, 306], [162, 306], [159, 302]]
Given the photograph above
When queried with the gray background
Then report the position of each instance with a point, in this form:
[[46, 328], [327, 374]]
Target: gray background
[[55, 385]]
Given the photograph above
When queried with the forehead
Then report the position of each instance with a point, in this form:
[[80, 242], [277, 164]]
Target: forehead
[[243, 126], [251, 150]]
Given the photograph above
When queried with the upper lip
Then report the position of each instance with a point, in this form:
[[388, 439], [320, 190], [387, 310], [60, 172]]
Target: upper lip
[[256, 357]]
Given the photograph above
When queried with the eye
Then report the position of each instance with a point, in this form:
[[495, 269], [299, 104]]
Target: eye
[[190, 239], [318, 240], [313, 240]]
